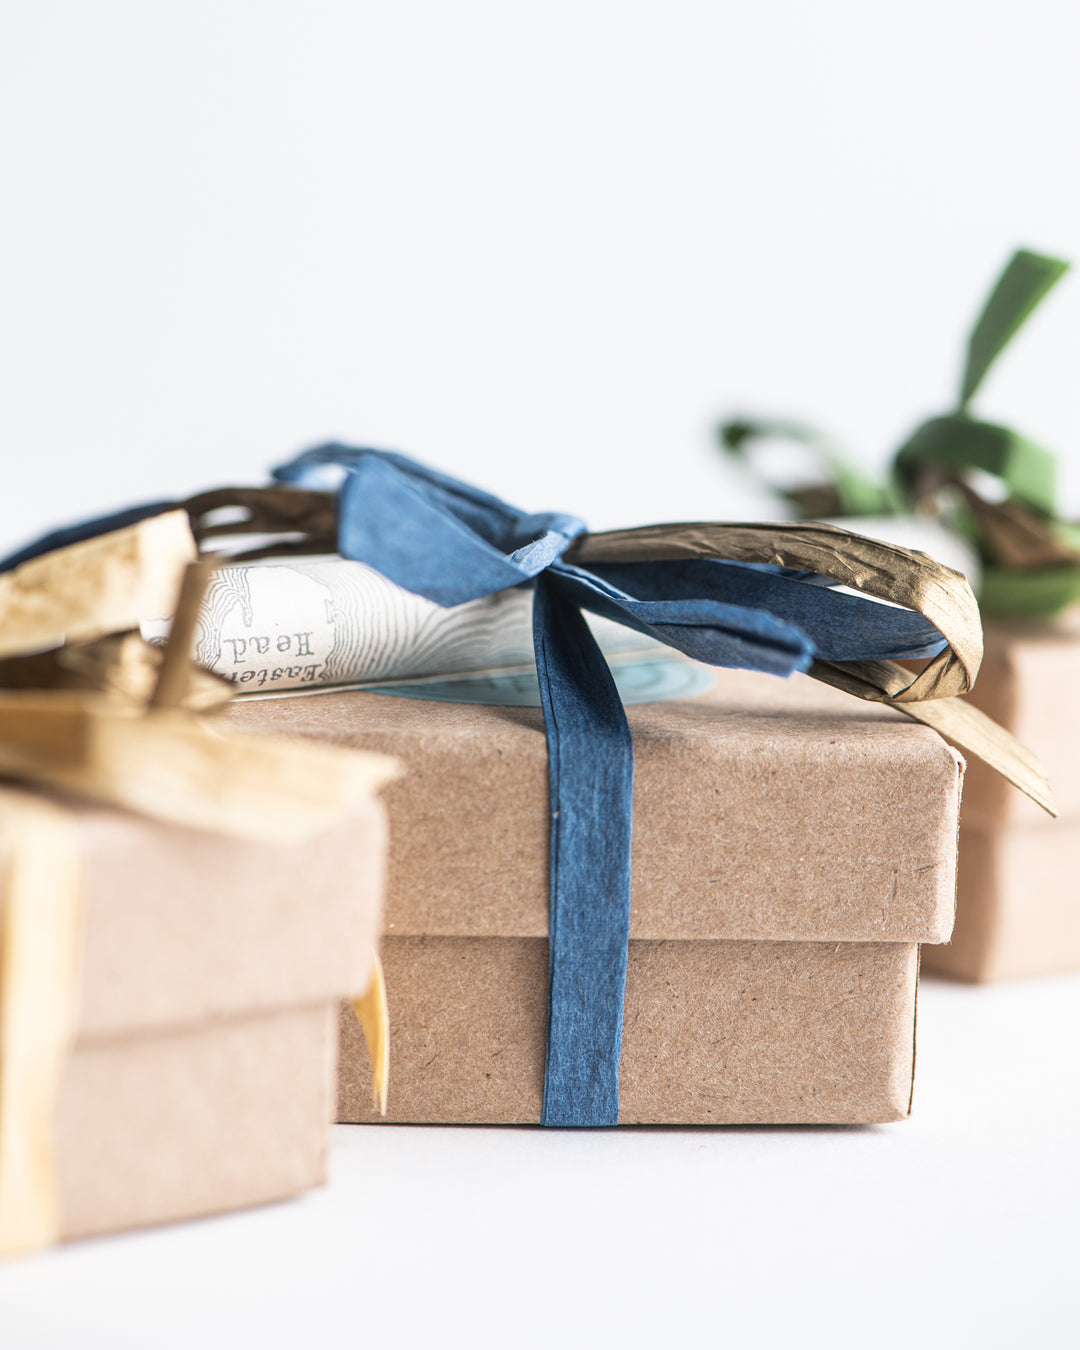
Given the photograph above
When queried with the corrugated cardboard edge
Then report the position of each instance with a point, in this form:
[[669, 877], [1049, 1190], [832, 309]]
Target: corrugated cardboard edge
[[961, 769], [961, 772]]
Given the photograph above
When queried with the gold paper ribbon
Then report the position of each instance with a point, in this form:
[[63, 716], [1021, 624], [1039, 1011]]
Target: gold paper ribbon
[[902, 576], [374, 1018], [39, 969], [174, 766], [102, 585]]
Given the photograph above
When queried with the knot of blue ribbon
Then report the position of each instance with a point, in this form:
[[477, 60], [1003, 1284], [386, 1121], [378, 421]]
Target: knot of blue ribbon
[[452, 543]]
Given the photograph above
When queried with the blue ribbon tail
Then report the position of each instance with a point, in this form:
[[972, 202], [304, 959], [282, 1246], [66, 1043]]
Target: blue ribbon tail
[[591, 770]]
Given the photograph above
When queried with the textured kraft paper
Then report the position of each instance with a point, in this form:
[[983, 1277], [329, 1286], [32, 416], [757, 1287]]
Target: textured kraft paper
[[191, 1122], [1018, 904], [201, 1076], [791, 848], [1027, 683], [715, 1033], [1018, 897]]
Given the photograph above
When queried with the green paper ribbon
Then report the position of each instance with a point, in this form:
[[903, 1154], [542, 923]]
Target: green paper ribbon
[[946, 449]]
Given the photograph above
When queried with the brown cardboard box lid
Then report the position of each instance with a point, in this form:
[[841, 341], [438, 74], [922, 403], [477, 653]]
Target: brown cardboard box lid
[[765, 809], [182, 927]]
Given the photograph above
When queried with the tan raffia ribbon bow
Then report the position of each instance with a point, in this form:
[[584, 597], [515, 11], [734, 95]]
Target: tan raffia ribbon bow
[[115, 721], [901, 576]]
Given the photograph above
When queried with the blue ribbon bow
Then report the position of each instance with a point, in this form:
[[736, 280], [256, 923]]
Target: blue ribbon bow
[[445, 540]]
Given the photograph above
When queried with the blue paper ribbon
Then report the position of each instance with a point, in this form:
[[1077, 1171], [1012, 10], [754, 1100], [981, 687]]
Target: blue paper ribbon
[[450, 542], [445, 540]]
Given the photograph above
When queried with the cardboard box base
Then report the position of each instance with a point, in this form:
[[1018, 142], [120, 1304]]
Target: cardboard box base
[[1018, 904], [180, 1124], [716, 1032]]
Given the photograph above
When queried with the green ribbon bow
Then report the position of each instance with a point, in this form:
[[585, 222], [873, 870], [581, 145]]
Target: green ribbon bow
[[1031, 559]]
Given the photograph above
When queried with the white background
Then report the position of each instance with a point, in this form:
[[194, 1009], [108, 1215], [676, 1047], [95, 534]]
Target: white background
[[955, 1230], [543, 246]]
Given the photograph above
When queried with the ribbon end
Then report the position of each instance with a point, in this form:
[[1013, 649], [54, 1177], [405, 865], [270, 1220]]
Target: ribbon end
[[39, 964], [373, 1015], [970, 729]]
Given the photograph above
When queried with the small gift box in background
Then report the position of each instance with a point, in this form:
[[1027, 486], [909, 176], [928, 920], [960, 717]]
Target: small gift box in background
[[177, 926], [1018, 900], [791, 850]]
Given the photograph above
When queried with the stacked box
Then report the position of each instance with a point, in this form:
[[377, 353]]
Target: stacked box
[[201, 1074]]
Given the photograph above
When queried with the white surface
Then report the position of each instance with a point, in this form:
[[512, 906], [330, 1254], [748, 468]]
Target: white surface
[[956, 1228], [542, 246]]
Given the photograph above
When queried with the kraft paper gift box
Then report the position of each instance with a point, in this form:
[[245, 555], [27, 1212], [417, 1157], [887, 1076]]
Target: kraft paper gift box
[[202, 1071], [743, 596], [1018, 892], [791, 850]]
